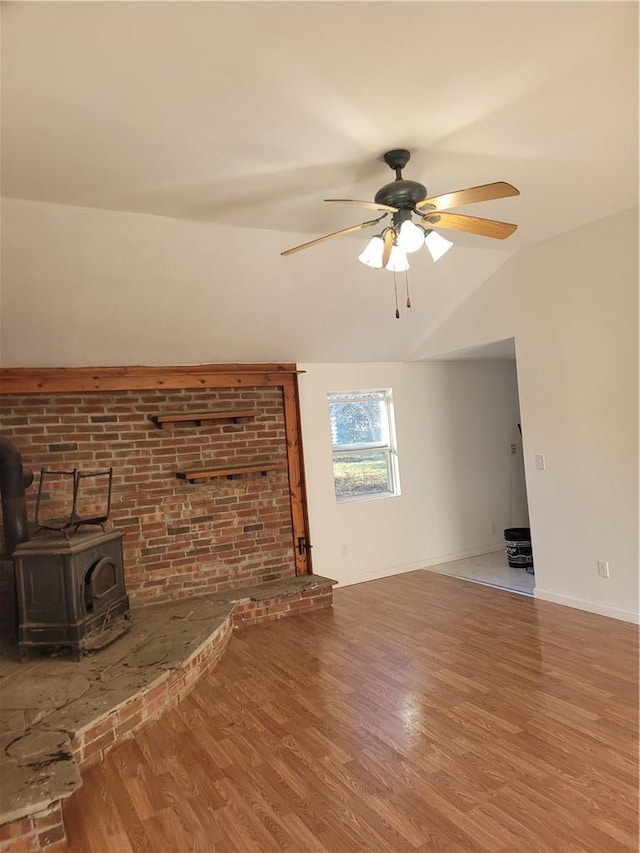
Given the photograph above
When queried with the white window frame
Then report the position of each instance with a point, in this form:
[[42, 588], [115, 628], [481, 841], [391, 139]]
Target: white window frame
[[388, 446]]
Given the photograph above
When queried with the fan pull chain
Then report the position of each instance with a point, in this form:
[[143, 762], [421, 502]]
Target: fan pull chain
[[395, 287], [406, 284]]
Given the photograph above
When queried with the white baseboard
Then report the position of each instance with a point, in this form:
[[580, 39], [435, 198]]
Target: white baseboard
[[376, 574], [427, 562], [589, 606], [480, 551]]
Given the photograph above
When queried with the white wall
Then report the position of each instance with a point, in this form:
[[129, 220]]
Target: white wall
[[454, 424], [572, 305]]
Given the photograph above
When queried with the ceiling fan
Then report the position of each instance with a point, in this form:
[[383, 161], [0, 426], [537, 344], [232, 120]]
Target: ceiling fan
[[402, 200]]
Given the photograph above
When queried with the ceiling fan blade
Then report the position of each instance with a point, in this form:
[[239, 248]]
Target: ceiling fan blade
[[486, 192], [471, 224], [329, 236], [371, 205], [388, 237]]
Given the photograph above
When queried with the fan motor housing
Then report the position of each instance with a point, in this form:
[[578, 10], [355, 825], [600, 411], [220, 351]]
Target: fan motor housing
[[402, 194]]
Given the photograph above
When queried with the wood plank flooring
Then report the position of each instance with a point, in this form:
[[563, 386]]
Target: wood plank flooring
[[423, 713]]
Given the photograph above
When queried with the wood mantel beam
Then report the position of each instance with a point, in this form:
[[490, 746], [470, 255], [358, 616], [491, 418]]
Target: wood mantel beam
[[54, 380]]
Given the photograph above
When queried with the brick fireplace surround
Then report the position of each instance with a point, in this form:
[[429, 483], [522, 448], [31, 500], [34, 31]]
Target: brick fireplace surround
[[180, 538], [213, 535]]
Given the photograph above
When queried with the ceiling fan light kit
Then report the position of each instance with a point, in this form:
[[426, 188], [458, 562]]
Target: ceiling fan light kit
[[437, 244], [372, 254], [403, 199], [398, 261], [410, 237]]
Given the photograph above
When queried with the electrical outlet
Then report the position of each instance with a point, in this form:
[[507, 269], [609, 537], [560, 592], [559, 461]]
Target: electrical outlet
[[345, 551], [603, 568], [494, 529], [513, 448], [540, 462]]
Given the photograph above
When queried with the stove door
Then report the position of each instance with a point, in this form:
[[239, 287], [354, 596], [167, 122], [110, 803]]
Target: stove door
[[100, 585]]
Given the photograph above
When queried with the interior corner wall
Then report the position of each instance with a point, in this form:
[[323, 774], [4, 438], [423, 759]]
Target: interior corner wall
[[454, 425], [572, 305], [519, 514]]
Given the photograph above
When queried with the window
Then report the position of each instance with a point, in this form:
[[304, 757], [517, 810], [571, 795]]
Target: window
[[363, 444]]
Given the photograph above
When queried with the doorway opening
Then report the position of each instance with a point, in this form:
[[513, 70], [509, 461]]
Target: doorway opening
[[501, 563]]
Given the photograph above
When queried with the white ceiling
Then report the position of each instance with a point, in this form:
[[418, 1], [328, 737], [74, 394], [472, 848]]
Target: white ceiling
[[247, 115]]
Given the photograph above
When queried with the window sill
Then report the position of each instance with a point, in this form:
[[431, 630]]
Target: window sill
[[364, 498]]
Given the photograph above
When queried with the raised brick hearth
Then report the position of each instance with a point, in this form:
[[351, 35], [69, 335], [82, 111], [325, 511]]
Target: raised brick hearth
[[208, 496], [59, 717]]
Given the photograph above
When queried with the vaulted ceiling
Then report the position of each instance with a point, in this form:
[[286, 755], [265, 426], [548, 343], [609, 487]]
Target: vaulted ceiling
[[233, 121]]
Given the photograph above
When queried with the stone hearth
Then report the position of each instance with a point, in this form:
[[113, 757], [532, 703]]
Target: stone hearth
[[58, 717]]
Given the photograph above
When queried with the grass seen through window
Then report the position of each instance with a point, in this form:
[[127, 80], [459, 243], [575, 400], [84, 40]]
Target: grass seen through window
[[360, 474]]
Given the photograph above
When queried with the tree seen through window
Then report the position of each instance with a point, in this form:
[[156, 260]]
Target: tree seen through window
[[356, 423]]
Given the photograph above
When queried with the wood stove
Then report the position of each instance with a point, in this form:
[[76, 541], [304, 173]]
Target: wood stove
[[71, 591]]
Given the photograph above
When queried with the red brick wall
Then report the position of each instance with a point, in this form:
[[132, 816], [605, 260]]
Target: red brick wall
[[35, 832], [180, 538], [272, 609]]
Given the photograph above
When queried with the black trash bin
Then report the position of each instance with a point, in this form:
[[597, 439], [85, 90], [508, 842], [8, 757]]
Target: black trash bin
[[517, 544]]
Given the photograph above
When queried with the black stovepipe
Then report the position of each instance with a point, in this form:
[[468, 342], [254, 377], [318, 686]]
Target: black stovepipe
[[13, 481]]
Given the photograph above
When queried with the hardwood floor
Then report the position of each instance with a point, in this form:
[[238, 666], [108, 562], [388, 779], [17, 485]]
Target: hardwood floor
[[422, 713]]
